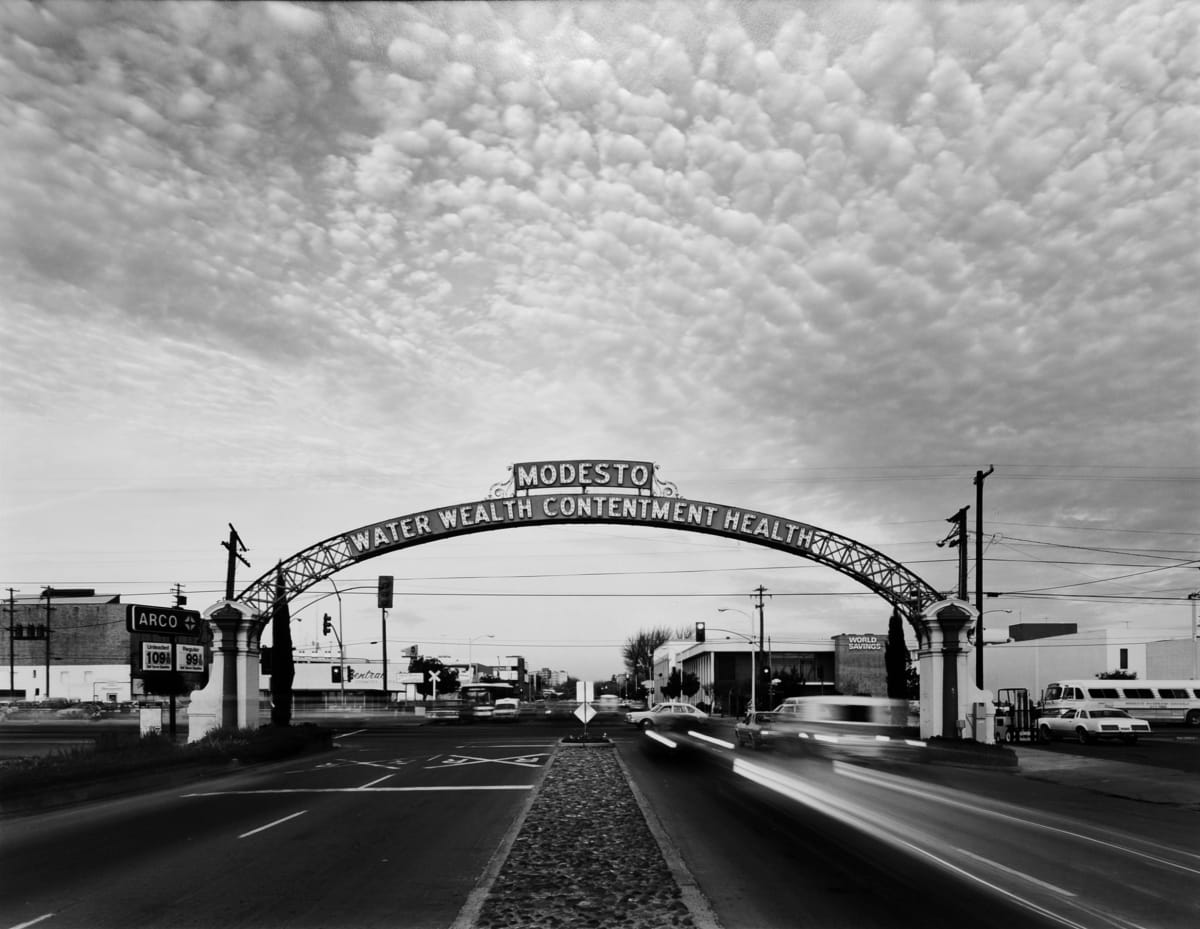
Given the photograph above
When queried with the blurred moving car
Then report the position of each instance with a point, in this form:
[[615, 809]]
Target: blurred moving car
[[665, 714], [1092, 724], [507, 709], [754, 729]]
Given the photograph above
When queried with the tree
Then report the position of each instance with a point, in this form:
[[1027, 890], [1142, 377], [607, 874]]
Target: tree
[[283, 668], [674, 686], [1118, 675], [433, 669], [895, 658], [681, 684], [638, 651]]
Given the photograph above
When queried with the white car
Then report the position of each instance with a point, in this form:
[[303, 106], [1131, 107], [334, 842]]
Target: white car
[[1093, 724], [667, 713], [507, 708]]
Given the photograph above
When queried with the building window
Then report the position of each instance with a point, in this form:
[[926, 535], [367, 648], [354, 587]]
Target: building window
[[1124, 659]]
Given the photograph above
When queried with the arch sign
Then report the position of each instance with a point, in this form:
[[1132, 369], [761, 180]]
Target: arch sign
[[590, 491]]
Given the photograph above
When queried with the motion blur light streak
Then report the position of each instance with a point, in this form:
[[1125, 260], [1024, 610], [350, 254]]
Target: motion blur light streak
[[708, 738], [882, 828], [947, 796], [660, 738]]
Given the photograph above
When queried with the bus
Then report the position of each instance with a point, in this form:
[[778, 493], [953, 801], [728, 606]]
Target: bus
[[478, 701], [1158, 701]]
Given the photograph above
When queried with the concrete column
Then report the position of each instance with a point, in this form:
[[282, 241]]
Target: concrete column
[[231, 698], [947, 691]]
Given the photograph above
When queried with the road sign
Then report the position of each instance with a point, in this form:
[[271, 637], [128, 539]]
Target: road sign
[[189, 658], [163, 620], [583, 693], [156, 656], [585, 713]]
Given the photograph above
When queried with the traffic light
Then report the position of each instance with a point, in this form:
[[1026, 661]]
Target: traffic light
[[699, 632], [328, 628], [350, 675], [335, 673], [264, 659], [385, 591]]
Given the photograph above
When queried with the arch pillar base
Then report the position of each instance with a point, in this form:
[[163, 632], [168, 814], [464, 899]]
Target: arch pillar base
[[231, 699], [950, 701]]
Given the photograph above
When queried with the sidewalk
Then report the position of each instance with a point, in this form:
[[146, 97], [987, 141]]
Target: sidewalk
[[1115, 778]]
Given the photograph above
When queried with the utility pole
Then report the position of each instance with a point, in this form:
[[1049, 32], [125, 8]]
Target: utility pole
[[760, 590], [48, 611], [180, 599], [958, 539], [1193, 596], [235, 547], [979, 478], [12, 652]]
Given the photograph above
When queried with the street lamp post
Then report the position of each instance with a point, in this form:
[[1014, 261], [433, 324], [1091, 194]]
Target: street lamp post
[[470, 642], [753, 669], [1194, 596]]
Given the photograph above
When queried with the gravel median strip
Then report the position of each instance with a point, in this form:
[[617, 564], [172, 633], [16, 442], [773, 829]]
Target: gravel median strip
[[588, 855]]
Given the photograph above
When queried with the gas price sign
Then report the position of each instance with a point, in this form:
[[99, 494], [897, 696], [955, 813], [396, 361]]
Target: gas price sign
[[189, 658], [157, 656]]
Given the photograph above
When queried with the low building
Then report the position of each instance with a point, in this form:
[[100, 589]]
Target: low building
[[1033, 661], [72, 645]]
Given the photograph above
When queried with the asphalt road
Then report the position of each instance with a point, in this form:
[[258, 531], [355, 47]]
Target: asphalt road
[[397, 826], [392, 830], [790, 841]]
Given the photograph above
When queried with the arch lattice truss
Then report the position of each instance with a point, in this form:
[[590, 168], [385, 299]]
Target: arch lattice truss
[[660, 508]]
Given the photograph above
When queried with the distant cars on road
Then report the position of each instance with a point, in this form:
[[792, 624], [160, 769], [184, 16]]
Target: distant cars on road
[[1092, 724], [665, 714]]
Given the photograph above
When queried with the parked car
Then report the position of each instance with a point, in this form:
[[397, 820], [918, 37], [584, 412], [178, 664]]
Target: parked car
[[1092, 724], [754, 729], [507, 709], [666, 713]]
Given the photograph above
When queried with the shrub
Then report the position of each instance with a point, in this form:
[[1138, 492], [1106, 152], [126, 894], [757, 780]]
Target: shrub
[[116, 755]]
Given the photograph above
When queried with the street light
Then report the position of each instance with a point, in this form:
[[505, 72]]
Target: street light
[[983, 629], [470, 642], [753, 670]]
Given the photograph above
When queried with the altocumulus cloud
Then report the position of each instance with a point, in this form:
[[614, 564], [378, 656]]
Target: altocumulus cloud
[[886, 225]]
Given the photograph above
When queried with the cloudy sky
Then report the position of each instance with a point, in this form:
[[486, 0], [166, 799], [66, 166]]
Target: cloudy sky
[[303, 267]]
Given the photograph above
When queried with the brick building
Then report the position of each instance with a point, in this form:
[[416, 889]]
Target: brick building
[[72, 645]]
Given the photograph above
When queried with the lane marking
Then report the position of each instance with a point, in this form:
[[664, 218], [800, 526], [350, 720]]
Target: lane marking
[[269, 825], [352, 790], [846, 812], [394, 765], [379, 780], [890, 782], [350, 733], [1013, 872], [517, 761], [33, 922]]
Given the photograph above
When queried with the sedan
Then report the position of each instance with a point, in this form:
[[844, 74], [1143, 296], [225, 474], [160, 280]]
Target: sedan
[[754, 729], [1090, 725], [665, 714]]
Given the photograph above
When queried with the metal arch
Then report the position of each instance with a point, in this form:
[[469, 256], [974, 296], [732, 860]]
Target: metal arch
[[905, 591], [300, 572]]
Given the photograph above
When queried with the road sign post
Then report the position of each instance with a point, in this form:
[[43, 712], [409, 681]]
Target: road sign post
[[585, 711]]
